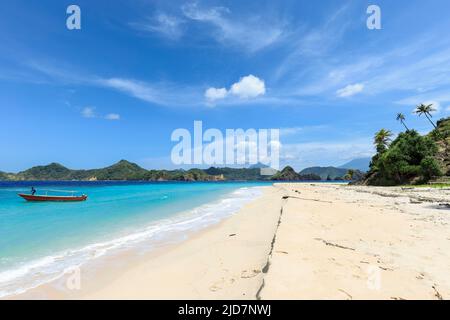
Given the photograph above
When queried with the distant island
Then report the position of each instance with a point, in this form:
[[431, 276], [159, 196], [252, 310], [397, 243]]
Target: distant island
[[128, 171]]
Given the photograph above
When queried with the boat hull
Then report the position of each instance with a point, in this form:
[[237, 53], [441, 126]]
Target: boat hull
[[32, 198]]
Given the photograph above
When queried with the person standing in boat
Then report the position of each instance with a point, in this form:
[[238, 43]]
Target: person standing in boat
[[33, 191]]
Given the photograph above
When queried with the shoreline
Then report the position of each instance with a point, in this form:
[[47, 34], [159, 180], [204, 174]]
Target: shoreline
[[186, 225], [223, 261], [51, 270], [298, 241]]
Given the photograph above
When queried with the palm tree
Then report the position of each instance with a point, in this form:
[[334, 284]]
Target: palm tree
[[401, 118], [350, 174], [426, 110], [382, 139]]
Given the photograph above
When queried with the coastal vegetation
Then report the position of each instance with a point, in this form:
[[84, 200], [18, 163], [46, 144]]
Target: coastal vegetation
[[411, 158]]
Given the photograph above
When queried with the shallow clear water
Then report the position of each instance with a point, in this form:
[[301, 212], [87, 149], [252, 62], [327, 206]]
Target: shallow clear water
[[39, 240]]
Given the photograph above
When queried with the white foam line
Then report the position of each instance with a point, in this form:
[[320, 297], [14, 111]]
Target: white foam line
[[37, 272]]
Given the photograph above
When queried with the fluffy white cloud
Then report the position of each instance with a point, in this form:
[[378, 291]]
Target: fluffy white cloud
[[112, 116], [213, 94], [248, 87], [350, 90], [88, 112]]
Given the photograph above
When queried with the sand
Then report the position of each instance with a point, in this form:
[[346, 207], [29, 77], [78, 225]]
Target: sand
[[223, 262], [360, 243], [301, 241]]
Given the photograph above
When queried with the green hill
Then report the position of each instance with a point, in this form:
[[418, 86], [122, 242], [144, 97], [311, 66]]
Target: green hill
[[53, 171], [125, 170], [122, 170], [4, 176], [287, 174]]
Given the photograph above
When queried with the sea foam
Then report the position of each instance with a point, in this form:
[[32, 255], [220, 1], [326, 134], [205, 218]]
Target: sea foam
[[34, 273]]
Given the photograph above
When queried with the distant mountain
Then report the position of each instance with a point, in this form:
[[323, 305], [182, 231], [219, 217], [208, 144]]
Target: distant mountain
[[122, 170], [53, 171], [258, 166], [125, 170], [361, 164], [325, 172], [287, 174], [3, 176]]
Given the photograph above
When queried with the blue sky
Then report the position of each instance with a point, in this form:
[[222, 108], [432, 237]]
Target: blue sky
[[139, 69]]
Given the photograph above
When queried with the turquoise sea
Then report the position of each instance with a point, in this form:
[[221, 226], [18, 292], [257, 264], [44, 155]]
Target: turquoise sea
[[38, 241]]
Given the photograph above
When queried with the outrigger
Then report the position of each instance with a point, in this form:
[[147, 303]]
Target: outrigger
[[55, 198]]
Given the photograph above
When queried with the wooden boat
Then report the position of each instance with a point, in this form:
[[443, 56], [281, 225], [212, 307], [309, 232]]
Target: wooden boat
[[30, 197]]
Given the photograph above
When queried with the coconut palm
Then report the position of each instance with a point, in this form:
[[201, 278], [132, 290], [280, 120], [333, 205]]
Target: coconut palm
[[350, 174], [401, 118], [382, 139], [426, 110]]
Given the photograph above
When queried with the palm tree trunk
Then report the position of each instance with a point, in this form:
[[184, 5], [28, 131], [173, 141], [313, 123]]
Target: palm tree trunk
[[426, 115], [405, 126]]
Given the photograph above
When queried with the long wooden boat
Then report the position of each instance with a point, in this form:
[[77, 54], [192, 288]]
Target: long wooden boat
[[30, 197]]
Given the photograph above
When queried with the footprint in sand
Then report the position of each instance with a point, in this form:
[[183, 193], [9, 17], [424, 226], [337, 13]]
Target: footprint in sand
[[246, 274], [219, 285]]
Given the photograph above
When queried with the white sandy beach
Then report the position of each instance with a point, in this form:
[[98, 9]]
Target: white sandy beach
[[301, 241]]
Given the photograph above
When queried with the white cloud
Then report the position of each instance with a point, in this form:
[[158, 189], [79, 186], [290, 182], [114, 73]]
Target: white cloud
[[163, 93], [88, 112], [164, 24], [252, 32], [213, 94], [415, 101], [420, 66], [313, 43], [350, 90], [136, 89], [435, 104], [112, 116], [248, 87], [292, 131]]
